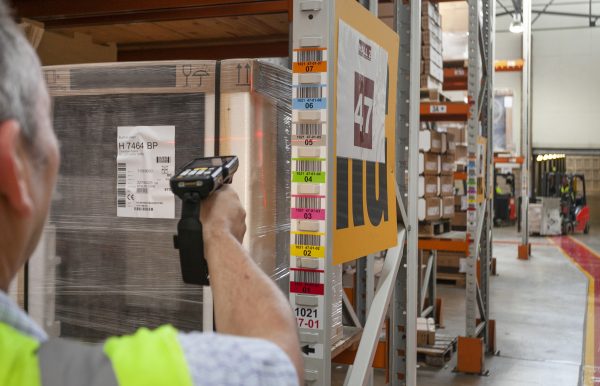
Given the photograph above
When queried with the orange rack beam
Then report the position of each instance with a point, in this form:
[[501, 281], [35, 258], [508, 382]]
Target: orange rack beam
[[509, 65], [455, 78], [444, 111], [455, 73], [462, 176], [508, 160], [444, 245]]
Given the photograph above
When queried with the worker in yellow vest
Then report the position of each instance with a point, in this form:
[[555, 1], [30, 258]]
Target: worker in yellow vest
[[565, 188], [256, 343]]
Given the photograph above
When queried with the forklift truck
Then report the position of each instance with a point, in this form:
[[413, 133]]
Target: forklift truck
[[570, 188]]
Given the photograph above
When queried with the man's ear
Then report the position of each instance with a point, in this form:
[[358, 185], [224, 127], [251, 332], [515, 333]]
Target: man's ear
[[13, 178]]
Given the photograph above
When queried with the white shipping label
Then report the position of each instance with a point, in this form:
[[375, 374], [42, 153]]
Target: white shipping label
[[145, 163]]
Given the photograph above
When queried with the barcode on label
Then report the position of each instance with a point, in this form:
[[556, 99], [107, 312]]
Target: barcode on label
[[163, 159], [143, 209], [309, 92], [121, 185], [309, 129], [306, 239], [308, 202], [311, 277], [142, 190], [308, 165], [310, 56]]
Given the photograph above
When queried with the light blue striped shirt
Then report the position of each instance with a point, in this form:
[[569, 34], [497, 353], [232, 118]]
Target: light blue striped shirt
[[213, 359]]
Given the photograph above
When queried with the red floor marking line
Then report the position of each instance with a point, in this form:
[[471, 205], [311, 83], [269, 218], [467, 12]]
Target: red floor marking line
[[588, 261]]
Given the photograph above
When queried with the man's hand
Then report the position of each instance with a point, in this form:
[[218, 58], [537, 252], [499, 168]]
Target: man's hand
[[222, 212]]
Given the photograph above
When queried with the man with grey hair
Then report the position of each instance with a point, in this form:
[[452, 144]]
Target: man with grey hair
[[256, 343]]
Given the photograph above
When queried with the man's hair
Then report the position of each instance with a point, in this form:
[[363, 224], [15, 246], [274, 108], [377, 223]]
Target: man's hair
[[20, 77]]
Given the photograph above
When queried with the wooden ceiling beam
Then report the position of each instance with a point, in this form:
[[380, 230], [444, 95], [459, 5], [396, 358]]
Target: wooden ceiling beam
[[231, 50], [68, 13]]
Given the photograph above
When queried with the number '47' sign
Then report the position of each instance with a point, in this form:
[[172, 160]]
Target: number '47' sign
[[364, 91]]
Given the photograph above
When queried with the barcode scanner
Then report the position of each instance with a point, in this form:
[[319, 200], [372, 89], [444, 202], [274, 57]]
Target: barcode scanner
[[192, 183]]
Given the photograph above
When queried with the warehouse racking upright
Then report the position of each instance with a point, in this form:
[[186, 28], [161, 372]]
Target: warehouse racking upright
[[314, 30], [480, 329]]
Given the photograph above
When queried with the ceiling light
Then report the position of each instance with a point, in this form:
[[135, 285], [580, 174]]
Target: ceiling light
[[516, 25]]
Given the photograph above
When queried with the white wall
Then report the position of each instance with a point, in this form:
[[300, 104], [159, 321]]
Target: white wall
[[508, 47], [566, 88]]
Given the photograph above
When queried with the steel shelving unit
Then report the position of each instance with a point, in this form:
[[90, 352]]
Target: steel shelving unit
[[477, 75], [397, 286]]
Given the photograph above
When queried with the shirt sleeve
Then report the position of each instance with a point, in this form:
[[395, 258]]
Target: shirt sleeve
[[224, 360]]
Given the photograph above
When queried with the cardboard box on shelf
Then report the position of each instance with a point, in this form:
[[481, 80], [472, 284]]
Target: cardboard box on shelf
[[427, 81], [429, 24], [429, 186], [431, 69], [431, 10], [450, 143], [459, 219], [385, 10], [430, 141], [447, 165], [460, 155], [444, 143], [429, 163], [448, 207], [447, 187], [431, 38], [449, 259], [430, 54], [389, 21], [460, 202], [459, 134], [429, 208]]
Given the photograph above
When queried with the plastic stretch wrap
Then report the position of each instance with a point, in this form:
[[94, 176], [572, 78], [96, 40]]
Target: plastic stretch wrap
[[98, 272]]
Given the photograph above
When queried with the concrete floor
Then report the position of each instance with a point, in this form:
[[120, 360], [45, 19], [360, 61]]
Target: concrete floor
[[539, 307]]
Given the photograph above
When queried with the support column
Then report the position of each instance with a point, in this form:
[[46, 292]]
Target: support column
[[524, 250]]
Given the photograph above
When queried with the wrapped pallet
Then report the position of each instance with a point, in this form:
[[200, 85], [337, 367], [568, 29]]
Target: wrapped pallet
[[107, 265]]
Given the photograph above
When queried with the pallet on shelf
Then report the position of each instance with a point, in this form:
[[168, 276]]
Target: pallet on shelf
[[456, 278], [438, 354], [433, 95], [433, 228]]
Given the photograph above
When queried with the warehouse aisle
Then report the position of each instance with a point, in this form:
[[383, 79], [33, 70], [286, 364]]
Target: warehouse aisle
[[539, 306]]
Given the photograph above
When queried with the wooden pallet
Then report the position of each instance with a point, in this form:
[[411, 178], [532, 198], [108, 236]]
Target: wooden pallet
[[433, 95], [438, 354], [433, 228], [458, 279]]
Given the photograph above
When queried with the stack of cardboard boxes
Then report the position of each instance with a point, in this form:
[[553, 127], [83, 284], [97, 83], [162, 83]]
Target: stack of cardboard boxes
[[385, 13], [458, 132], [436, 175], [432, 63], [425, 332]]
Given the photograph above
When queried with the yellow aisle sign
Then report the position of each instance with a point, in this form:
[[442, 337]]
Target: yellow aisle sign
[[366, 62]]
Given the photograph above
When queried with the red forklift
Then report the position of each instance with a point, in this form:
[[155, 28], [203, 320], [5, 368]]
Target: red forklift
[[570, 188]]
